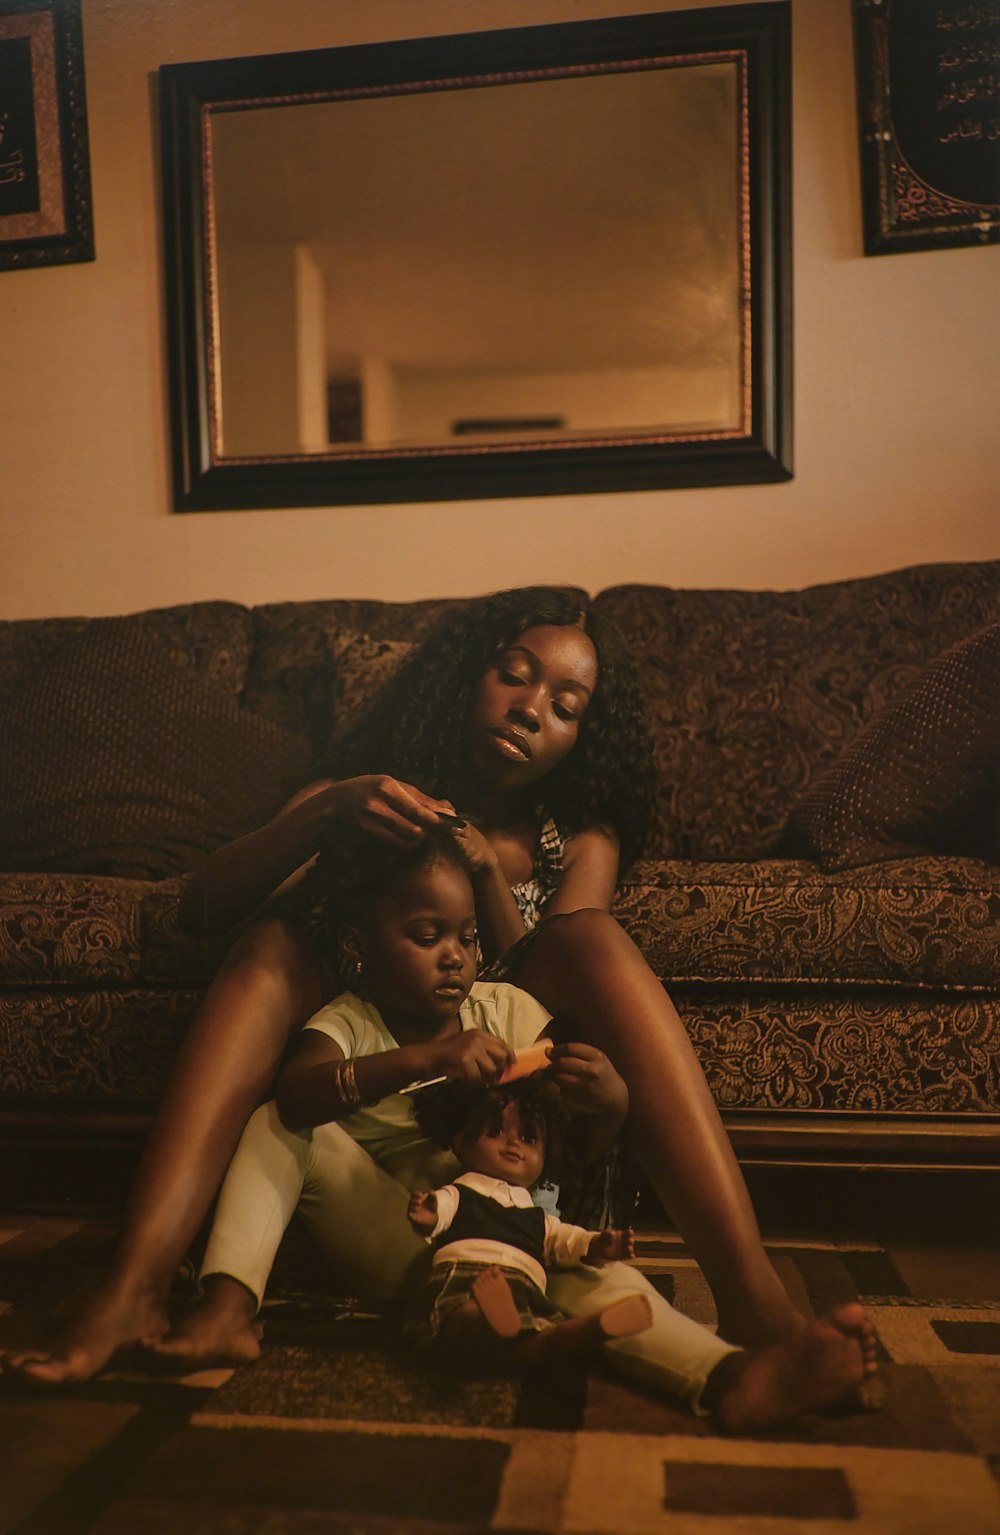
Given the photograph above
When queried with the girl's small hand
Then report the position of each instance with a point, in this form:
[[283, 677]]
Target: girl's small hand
[[471, 1057], [587, 1081], [482, 858], [386, 807], [422, 1211]]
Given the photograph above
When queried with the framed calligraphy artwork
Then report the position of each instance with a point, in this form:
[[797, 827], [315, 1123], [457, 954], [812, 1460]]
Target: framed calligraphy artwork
[[928, 75], [45, 213]]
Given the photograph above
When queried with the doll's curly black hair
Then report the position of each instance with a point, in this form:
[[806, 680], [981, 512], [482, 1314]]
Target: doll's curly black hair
[[473, 1109], [412, 729]]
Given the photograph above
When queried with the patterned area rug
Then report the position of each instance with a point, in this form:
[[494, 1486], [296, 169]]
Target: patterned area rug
[[338, 1428]]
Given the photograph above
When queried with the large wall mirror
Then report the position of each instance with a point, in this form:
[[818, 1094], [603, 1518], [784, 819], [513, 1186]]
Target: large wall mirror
[[541, 260]]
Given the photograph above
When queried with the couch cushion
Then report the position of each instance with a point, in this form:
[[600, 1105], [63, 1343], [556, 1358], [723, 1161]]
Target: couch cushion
[[780, 1048], [810, 1049], [362, 665], [88, 929], [753, 694], [922, 777], [291, 678], [88, 1046], [928, 922], [125, 757], [68, 929]]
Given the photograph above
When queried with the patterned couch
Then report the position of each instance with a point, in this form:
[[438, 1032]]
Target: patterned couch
[[821, 892]]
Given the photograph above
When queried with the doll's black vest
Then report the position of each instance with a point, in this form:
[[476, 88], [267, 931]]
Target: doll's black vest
[[479, 1218]]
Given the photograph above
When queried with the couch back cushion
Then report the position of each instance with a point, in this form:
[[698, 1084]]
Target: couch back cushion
[[753, 694], [129, 752], [314, 663]]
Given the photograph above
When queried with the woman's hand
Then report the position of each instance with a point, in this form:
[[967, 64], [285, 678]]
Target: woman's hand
[[470, 1057], [481, 857], [587, 1081], [386, 807]]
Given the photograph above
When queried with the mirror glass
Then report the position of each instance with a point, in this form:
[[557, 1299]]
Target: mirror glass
[[532, 261], [420, 274]]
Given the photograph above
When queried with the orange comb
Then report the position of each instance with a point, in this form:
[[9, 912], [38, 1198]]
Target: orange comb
[[534, 1058]]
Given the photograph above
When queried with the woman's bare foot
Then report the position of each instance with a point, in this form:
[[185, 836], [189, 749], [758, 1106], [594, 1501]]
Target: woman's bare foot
[[823, 1364], [114, 1317], [220, 1332]]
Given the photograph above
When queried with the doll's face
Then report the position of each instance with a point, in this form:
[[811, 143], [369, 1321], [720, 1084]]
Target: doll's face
[[506, 1149]]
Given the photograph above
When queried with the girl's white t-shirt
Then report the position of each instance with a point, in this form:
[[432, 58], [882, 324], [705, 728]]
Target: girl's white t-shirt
[[387, 1130]]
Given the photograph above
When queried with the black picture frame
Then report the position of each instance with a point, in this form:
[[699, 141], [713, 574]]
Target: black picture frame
[[204, 479], [45, 204], [928, 123]]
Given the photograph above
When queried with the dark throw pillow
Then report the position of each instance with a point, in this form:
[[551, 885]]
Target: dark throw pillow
[[361, 666], [118, 760], [922, 777]]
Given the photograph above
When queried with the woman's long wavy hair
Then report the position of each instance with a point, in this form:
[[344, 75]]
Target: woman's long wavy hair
[[413, 727]]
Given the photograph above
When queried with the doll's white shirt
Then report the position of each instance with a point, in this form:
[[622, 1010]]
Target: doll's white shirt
[[564, 1245]]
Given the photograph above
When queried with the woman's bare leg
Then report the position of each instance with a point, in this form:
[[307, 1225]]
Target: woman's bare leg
[[585, 969], [270, 983]]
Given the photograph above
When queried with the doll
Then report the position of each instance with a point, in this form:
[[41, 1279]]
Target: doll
[[485, 1300]]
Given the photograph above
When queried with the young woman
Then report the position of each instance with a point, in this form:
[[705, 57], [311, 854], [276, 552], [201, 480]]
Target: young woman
[[522, 711]]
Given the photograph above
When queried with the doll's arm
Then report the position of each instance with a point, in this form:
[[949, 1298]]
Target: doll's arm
[[431, 1211], [566, 1245], [611, 1246]]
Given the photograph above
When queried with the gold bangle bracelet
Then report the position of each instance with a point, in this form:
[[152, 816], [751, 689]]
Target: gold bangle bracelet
[[345, 1081]]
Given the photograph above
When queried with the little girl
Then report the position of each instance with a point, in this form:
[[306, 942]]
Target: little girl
[[357, 1153]]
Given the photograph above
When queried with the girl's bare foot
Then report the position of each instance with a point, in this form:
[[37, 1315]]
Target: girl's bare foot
[[220, 1332], [823, 1364], [114, 1317]]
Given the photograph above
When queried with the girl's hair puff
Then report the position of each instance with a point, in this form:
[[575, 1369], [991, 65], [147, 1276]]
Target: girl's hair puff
[[355, 870], [412, 728]]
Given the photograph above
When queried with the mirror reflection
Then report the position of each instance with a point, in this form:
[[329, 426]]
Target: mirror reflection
[[557, 259]]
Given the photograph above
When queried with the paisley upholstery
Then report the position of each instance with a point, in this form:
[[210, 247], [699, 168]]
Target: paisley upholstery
[[861, 1051], [922, 922], [752, 694], [871, 989], [91, 1045], [923, 775]]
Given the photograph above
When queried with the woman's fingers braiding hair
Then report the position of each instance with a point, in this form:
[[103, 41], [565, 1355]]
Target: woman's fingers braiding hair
[[391, 809]]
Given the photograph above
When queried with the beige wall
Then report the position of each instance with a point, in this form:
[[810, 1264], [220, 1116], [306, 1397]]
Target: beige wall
[[896, 363]]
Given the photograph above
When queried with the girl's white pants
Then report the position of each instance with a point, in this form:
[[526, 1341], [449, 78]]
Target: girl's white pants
[[356, 1212]]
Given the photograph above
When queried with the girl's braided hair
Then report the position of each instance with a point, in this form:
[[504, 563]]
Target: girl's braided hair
[[356, 869], [412, 729]]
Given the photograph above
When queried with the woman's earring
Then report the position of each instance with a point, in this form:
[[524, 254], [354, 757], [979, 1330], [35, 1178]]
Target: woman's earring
[[358, 974]]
